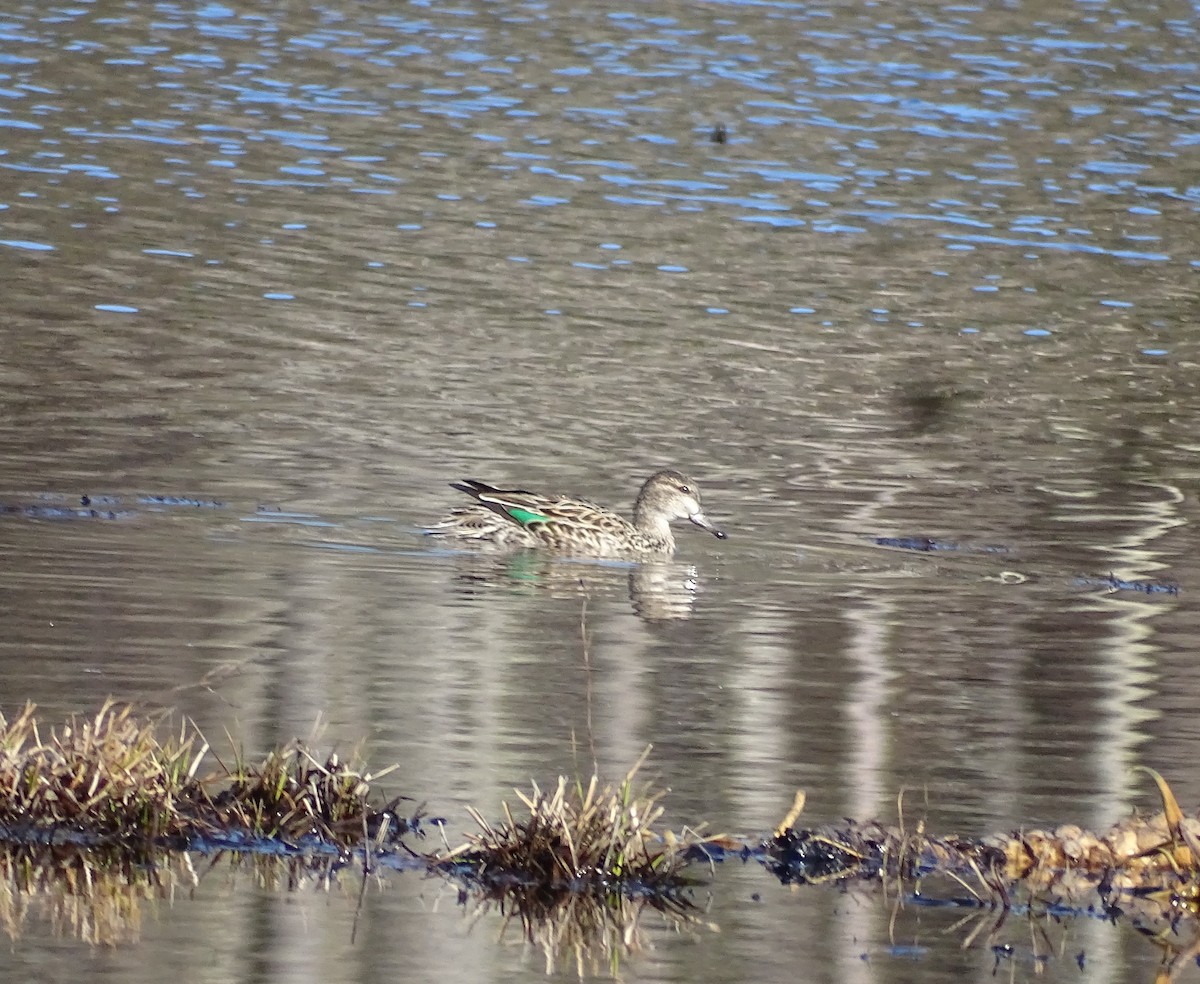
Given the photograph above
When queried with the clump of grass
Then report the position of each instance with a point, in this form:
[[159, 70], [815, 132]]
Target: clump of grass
[[579, 867], [292, 795], [593, 838], [109, 779], [106, 775]]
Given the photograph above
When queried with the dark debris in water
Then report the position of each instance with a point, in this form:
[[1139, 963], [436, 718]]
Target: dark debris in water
[[1113, 583], [922, 544], [85, 511], [102, 507], [929, 544], [175, 500], [808, 856], [1110, 582], [1145, 869], [392, 855]]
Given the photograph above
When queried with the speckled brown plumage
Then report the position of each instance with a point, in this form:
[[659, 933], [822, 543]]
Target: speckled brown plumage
[[514, 518]]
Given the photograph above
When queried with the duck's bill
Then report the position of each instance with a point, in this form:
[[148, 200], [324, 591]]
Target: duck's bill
[[702, 521]]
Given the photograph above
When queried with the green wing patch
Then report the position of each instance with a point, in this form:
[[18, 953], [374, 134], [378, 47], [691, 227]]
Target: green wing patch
[[526, 516]]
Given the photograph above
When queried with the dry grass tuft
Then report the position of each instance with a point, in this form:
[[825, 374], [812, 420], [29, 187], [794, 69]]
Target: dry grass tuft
[[291, 795], [579, 868], [107, 775], [598, 838], [109, 779]]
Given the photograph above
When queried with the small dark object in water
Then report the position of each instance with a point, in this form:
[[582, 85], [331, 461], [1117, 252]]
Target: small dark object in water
[[61, 512], [924, 544], [927, 544], [719, 134], [1114, 583], [803, 856], [179, 500]]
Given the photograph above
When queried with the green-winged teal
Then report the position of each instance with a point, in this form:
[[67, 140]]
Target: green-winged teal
[[515, 518]]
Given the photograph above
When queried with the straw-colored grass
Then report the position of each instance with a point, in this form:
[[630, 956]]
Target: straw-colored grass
[[577, 869], [291, 794], [109, 779], [599, 837], [1148, 856], [108, 775]]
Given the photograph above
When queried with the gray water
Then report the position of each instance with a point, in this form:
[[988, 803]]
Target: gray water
[[274, 275]]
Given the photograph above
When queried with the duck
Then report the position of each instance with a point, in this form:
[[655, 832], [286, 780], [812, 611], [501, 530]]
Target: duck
[[515, 518]]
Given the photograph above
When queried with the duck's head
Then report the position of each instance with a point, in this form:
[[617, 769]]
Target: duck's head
[[669, 495]]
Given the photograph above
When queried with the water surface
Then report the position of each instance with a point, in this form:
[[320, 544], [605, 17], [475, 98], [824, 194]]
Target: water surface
[[274, 277]]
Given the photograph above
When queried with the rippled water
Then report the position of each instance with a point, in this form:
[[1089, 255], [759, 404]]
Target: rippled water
[[275, 275]]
